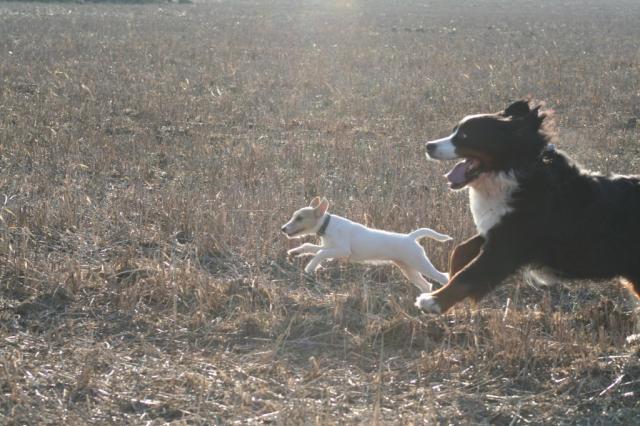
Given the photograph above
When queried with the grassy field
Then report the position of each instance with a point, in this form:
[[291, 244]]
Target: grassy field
[[149, 155]]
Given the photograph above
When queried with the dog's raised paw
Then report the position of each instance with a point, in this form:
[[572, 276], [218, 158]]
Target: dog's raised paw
[[428, 304]]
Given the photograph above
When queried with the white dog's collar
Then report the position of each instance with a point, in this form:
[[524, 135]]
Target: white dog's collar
[[323, 228]]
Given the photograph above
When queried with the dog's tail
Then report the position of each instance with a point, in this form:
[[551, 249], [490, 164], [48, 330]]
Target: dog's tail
[[426, 232]]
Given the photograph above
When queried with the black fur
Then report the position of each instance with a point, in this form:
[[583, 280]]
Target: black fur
[[576, 223]]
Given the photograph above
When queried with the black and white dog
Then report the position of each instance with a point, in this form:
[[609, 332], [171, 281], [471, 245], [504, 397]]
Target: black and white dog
[[533, 206]]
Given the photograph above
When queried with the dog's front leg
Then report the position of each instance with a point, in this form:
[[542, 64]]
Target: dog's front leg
[[479, 277], [305, 249], [325, 253], [464, 253]]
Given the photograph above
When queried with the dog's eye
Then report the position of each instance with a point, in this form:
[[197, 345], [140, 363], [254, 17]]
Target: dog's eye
[[462, 135]]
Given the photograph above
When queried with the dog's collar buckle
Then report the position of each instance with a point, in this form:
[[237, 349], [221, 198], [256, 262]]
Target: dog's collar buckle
[[323, 228]]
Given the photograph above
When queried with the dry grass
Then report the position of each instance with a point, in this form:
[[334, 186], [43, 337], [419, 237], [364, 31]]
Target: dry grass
[[149, 154]]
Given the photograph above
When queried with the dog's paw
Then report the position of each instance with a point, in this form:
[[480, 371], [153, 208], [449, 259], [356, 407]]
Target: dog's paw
[[428, 304], [311, 270]]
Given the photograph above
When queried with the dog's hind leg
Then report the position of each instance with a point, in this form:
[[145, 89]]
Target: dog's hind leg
[[422, 264], [415, 277]]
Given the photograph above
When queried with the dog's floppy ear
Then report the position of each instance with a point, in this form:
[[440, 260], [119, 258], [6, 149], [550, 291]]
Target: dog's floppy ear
[[315, 202], [321, 209], [517, 109]]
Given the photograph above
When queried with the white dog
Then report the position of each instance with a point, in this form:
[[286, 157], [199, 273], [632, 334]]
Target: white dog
[[341, 237]]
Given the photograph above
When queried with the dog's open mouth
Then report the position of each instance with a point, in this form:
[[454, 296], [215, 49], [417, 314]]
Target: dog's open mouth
[[464, 173]]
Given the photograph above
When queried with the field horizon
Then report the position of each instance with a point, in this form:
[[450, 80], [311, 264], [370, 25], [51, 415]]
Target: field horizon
[[149, 155]]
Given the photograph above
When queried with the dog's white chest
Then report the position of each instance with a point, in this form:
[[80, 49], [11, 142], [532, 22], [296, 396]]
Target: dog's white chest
[[489, 197]]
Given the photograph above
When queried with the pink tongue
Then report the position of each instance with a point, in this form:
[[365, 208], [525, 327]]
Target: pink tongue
[[458, 175]]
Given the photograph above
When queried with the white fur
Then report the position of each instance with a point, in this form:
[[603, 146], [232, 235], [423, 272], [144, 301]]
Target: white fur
[[489, 197], [469, 117], [540, 276], [358, 243], [444, 149], [427, 303]]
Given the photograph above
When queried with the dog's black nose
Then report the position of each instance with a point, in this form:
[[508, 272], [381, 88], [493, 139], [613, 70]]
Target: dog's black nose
[[283, 229]]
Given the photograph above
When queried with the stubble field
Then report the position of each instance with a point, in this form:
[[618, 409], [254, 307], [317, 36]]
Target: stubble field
[[149, 155]]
